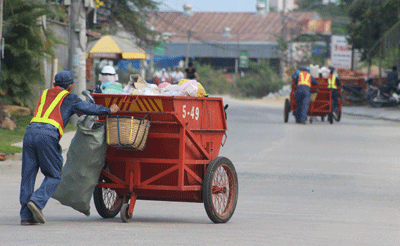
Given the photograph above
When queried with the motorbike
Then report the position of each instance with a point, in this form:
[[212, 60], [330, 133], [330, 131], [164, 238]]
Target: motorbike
[[385, 97], [351, 95]]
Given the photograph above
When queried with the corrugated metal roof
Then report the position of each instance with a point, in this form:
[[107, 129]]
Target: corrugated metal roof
[[209, 26]]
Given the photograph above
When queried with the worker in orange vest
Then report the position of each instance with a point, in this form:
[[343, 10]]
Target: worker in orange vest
[[302, 97], [41, 148], [334, 84]]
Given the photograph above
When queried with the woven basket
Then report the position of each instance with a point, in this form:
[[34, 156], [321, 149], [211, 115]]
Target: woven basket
[[127, 132], [313, 96]]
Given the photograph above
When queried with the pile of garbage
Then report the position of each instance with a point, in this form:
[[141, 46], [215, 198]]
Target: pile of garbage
[[138, 86], [284, 92]]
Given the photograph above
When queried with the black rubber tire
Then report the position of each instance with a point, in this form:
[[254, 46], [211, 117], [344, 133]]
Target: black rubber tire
[[212, 192], [322, 118], [374, 104], [330, 117], [124, 213], [109, 208], [286, 111], [338, 115]]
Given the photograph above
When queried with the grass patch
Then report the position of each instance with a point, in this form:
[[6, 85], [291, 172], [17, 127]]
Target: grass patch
[[9, 137]]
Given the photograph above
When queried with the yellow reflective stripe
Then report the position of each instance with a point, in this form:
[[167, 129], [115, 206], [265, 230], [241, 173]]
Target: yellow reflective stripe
[[54, 104], [304, 81], [49, 121], [42, 101], [45, 118], [331, 83]]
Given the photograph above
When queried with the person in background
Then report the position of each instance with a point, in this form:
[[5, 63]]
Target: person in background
[[393, 80], [303, 81], [41, 148], [334, 84], [190, 72], [164, 76], [107, 76], [176, 76]]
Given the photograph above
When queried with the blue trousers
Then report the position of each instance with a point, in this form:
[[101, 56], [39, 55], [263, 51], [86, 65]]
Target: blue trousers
[[302, 98], [335, 98], [44, 152]]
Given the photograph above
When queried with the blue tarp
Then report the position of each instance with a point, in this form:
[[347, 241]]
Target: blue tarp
[[159, 62]]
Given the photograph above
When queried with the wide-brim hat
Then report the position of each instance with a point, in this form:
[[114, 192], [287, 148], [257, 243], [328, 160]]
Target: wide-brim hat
[[64, 78]]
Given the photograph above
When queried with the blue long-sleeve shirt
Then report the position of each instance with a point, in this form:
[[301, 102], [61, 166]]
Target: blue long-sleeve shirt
[[71, 105]]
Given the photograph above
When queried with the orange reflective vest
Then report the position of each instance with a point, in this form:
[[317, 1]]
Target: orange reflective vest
[[48, 108], [332, 82], [304, 79]]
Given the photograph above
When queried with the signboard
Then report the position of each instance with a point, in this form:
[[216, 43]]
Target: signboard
[[340, 53], [159, 49], [244, 59]]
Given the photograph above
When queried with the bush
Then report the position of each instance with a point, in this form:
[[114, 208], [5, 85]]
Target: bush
[[259, 82], [212, 80]]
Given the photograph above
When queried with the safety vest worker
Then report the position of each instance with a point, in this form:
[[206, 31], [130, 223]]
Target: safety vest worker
[[302, 96], [41, 148], [332, 82], [48, 108], [304, 79]]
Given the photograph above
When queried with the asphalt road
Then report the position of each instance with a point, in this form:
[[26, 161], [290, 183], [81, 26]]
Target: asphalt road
[[314, 184]]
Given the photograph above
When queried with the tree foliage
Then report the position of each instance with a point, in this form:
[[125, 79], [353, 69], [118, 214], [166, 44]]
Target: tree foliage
[[25, 43], [131, 14], [370, 19]]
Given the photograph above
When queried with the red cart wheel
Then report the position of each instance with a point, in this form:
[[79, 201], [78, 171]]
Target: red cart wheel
[[125, 215], [220, 190], [107, 202]]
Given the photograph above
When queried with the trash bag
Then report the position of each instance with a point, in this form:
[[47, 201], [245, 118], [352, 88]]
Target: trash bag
[[85, 160]]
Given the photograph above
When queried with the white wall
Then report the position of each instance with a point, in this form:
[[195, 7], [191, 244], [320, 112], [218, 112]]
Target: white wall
[[278, 5]]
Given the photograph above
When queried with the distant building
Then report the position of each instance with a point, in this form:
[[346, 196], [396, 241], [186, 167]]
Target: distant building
[[217, 38]]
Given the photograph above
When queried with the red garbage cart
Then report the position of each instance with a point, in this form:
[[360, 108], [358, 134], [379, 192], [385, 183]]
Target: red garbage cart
[[180, 161], [320, 102]]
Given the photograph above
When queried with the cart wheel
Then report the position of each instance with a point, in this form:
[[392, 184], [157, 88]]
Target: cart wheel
[[311, 120], [286, 110], [107, 202], [125, 217], [330, 117], [220, 190], [322, 118]]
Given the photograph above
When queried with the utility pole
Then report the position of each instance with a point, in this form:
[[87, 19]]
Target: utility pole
[[77, 46], [1, 32], [284, 59], [188, 49]]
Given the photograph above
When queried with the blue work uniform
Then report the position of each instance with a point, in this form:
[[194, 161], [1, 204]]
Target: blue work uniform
[[334, 83], [41, 149], [302, 97]]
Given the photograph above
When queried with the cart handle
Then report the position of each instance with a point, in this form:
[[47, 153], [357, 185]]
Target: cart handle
[[223, 142], [124, 101]]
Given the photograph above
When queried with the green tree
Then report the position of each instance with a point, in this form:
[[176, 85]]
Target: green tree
[[370, 19], [131, 14], [25, 43]]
